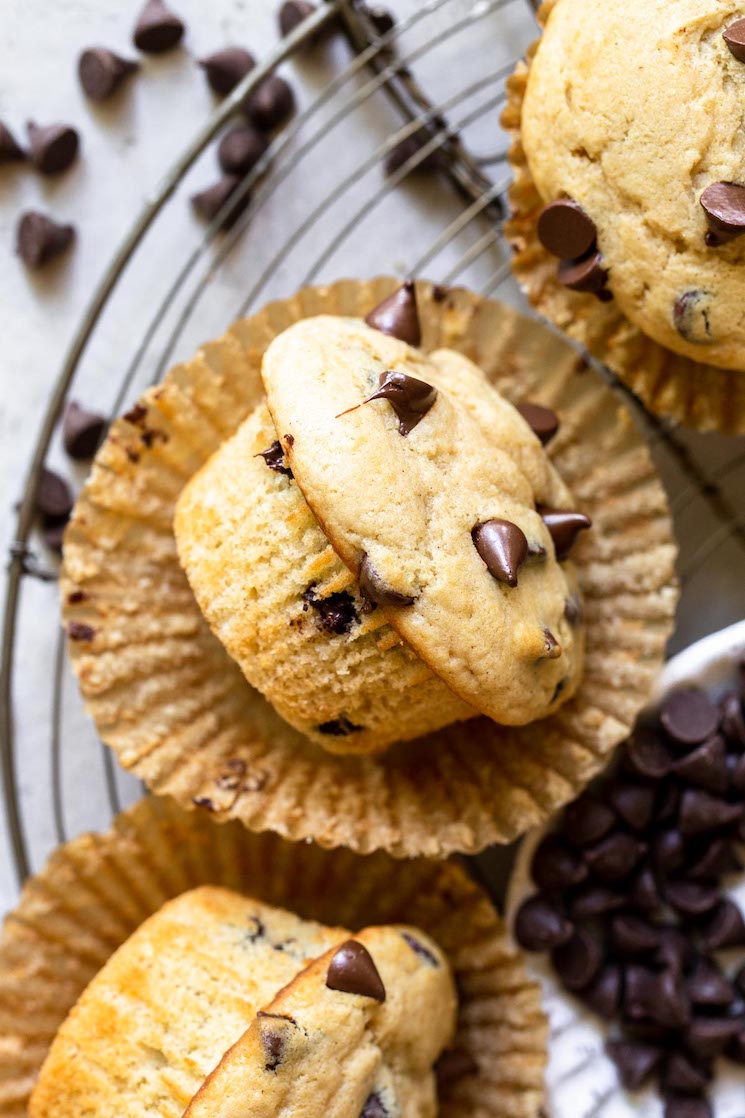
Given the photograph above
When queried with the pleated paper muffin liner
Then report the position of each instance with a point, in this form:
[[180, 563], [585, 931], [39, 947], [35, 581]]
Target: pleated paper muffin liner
[[96, 890], [671, 385], [178, 712], [581, 1078]]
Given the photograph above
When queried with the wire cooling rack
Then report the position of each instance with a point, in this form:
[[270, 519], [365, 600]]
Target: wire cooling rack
[[439, 73]]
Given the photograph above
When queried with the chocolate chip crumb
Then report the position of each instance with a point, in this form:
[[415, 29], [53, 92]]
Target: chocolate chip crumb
[[336, 612], [274, 456]]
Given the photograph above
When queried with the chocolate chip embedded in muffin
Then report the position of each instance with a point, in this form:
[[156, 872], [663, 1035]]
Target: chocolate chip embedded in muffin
[[543, 422], [503, 547], [692, 316], [565, 230], [339, 728], [410, 398], [274, 456], [734, 37], [336, 612], [398, 315], [352, 971], [723, 204]]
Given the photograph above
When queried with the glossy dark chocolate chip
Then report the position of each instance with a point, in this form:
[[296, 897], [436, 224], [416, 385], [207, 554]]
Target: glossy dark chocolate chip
[[646, 755], [732, 718], [614, 857], [376, 590], [240, 149], [82, 431], [668, 801], [52, 147], [691, 898], [630, 935], [409, 148], [636, 1062], [709, 1036], [661, 997], [700, 812], [339, 728], [226, 68], [410, 398], [565, 230], [723, 204], [274, 456], [689, 717], [10, 150], [603, 996], [706, 766], [668, 849], [563, 527], [675, 951], [540, 925], [419, 949], [102, 72], [336, 612], [588, 275], [734, 37], [633, 802], [587, 820], [40, 239], [643, 891], [715, 860], [577, 962], [78, 631], [691, 316], [708, 986], [210, 202], [684, 1075], [543, 422], [398, 315], [158, 29], [270, 104], [556, 865], [595, 900], [725, 927], [686, 1106], [374, 1107], [503, 546], [53, 495], [352, 971]]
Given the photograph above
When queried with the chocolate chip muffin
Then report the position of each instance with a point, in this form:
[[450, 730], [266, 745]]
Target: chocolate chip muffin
[[629, 200], [384, 547], [218, 1001]]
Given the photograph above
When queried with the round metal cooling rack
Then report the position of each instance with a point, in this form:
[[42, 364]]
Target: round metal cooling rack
[[320, 207]]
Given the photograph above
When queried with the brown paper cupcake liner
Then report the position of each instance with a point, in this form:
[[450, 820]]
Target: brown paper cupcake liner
[[691, 392], [96, 890], [178, 712]]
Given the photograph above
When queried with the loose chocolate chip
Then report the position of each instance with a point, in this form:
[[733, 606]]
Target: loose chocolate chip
[[700, 812], [419, 949], [668, 850], [376, 590], [707, 986], [503, 547], [39, 238], [373, 1107], [398, 315], [407, 149], [706, 766], [563, 527], [734, 37], [614, 857], [709, 1036], [603, 996], [240, 149], [724, 928], [682, 1074], [543, 422], [410, 398], [643, 891], [336, 612], [77, 631], [101, 72], [732, 718], [454, 1064], [631, 935], [736, 1048], [540, 925], [686, 1106], [636, 1062], [52, 147], [208, 203], [587, 820], [565, 230], [691, 316], [739, 980], [668, 801], [158, 29], [53, 495], [723, 204], [675, 951], [292, 14], [716, 860], [577, 962], [226, 68], [53, 533], [595, 901], [660, 997], [692, 898], [588, 275], [339, 728], [645, 755], [737, 775], [633, 802], [271, 103], [274, 456], [82, 431], [689, 717], [556, 865], [352, 971], [10, 150]]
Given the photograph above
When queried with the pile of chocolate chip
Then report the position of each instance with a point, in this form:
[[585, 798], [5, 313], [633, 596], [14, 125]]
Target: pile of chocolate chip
[[630, 902]]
